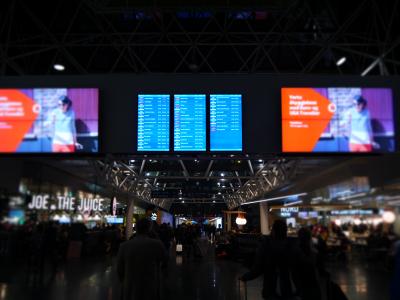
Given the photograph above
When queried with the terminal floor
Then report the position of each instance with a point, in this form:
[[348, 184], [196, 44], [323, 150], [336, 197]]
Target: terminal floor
[[208, 278]]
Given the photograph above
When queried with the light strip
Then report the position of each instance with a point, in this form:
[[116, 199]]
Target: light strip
[[342, 198], [272, 199], [293, 203]]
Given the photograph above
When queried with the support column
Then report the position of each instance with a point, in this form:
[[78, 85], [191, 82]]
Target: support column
[[129, 217], [397, 222], [228, 222], [264, 223]]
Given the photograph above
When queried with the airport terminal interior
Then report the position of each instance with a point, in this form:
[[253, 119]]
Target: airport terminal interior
[[156, 150]]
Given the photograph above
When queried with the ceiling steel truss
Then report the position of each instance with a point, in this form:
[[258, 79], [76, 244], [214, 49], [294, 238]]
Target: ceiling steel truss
[[123, 178], [272, 175], [193, 181], [91, 36]]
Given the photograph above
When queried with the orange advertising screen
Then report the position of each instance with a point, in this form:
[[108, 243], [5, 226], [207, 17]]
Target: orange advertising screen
[[337, 119], [48, 120]]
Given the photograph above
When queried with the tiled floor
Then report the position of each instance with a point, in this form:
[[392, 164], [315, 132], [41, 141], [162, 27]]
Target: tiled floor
[[362, 280], [208, 278]]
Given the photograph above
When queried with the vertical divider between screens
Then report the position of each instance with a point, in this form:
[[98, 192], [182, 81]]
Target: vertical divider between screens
[[281, 120], [242, 121], [208, 123], [171, 123], [137, 123], [396, 121], [100, 125]]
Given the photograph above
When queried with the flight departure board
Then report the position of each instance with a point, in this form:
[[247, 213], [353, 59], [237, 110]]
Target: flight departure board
[[226, 122], [190, 122], [153, 123]]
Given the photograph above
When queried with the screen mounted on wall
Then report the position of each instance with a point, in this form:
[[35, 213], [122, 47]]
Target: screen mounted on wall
[[226, 122], [190, 122], [153, 123], [337, 119], [49, 120]]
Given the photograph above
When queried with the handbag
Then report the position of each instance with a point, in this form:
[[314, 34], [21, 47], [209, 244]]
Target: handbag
[[179, 248]]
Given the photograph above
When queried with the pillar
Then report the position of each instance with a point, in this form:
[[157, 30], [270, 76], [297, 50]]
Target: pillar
[[264, 223], [129, 217], [229, 222]]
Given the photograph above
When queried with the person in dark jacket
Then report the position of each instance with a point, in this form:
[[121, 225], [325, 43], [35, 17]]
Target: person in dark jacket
[[306, 276], [138, 264], [275, 260]]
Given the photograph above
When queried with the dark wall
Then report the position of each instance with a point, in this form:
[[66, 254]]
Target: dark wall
[[261, 100]]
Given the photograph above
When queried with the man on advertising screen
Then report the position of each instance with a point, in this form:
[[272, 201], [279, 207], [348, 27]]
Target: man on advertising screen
[[359, 127], [64, 130]]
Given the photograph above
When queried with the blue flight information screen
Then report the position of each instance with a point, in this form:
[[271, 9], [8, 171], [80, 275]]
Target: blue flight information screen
[[153, 123], [190, 123], [226, 122]]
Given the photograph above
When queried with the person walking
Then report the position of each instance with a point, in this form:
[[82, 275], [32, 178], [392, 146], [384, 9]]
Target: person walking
[[275, 259], [138, 264], [306, 275]]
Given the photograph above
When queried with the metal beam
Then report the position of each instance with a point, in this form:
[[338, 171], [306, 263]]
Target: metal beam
[[185, 171], [250, 167], [207, 173]]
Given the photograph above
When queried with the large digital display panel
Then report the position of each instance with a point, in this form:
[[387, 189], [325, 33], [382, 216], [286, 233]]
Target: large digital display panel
[[49, 120], [153, 123], [190, 123], [337, 119], [226, 122]]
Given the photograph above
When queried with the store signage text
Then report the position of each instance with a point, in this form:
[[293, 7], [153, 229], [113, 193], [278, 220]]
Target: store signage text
[[352, 212], [289, 209], [286, 212], [44, 202]]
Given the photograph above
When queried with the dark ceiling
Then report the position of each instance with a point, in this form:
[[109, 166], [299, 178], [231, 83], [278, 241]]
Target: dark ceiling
[[90, 36], [285, 36]]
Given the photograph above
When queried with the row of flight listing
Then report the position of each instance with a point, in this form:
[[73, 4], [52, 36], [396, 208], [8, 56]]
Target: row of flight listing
[[319, 119]]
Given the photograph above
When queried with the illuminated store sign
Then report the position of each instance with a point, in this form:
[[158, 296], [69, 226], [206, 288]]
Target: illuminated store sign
[[115, 220], [350, 212], [44, 202], [289, 209]]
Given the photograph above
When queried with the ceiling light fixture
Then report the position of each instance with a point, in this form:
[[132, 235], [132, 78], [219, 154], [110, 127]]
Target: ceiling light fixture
[[341, 61], [59, 67], [389, 217]]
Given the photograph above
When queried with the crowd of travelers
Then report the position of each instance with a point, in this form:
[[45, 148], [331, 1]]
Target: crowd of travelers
[[292, 262]]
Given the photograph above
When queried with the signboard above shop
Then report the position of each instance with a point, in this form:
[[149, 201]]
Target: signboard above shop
[[46, 202]]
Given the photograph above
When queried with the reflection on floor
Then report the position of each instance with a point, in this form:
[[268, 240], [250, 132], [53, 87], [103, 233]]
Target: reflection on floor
[[207, 278], [362, 280]]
